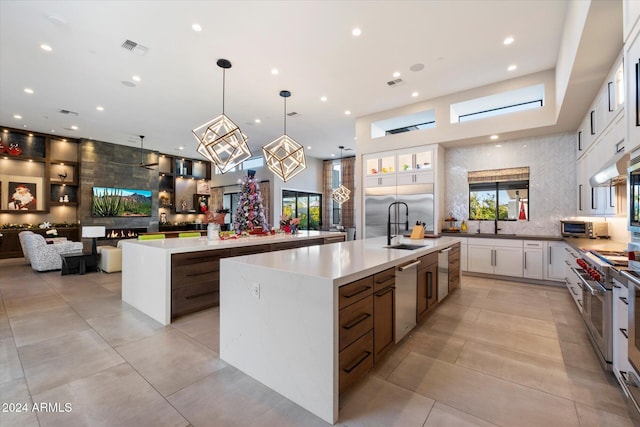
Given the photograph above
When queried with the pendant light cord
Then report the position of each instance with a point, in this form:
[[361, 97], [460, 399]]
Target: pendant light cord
[[223, 85], [285, 115]]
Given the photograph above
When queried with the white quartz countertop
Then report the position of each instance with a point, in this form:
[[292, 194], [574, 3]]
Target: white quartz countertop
[[191, 244], [342, 262]]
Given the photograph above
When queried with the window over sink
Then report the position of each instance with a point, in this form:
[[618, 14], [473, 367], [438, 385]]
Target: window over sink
[[501, 194]]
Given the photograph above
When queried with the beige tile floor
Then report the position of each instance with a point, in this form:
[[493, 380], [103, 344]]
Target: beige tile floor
[[494, 353]]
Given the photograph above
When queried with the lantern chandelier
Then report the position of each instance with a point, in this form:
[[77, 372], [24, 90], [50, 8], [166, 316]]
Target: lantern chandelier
[[341, 194], [220, 140], [284, 156]]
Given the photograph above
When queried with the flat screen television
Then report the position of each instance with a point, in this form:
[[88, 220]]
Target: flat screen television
[[125, 202]]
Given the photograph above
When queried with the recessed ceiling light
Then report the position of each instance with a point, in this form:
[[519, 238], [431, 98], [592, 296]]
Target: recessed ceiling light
[[275, 71], [498, 146], [17, 116], [181, 148], [28, 90], [494, 137], [356, 32], [396, 74], [333, 155], [100, 108], [196, 27], [415, 94], [53, 130], [258, 121], [512, 67], [46, 47], [308, 147], [347, 112], [508, 40], [323, 98], [136, 78], [74, 127]]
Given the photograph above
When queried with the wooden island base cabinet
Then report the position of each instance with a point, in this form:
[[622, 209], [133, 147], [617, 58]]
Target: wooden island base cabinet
[[427, 294]]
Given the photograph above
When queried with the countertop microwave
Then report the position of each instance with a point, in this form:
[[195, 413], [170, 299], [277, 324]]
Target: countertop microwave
[[584, 229]]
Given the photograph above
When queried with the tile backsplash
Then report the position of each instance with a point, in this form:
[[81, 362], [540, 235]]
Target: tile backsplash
[[552, 181]]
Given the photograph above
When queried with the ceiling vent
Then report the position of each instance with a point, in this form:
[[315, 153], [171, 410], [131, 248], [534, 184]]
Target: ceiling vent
[[291, 114], [73, 113], [395, 82], [134, 47]]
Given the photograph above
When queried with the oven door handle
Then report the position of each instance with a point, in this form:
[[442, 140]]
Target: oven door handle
[[584, 282]]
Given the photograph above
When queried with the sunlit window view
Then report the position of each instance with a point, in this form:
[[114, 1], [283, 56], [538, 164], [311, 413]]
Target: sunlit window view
[[502, 200], [305, 206]]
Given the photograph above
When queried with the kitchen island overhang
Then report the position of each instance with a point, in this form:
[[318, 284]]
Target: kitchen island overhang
[[279, 314]]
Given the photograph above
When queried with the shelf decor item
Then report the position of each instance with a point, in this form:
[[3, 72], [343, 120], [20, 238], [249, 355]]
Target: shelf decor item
[[284, 156], [220, 140], [341, 194]]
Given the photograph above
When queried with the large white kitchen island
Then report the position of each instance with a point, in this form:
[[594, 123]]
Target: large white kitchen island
[[169, 277], [285, 318]]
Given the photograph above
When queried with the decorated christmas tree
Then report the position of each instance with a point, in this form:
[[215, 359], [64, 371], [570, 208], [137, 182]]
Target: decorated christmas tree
[[250, 212]]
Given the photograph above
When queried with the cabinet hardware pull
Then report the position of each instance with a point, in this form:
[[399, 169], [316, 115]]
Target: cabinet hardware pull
[[611, 205], [388, 280], [579, 197], [362, 359], [549, 254], [200, 295], [386, 291], [359, 291], [617, 287], [525, 260], [573, 291], [624, 332], [609, 90], [624, 300], [359, 319], [623, 374], [200, 274], [594, 205]]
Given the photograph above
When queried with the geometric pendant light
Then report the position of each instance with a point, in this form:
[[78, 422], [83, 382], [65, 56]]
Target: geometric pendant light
[[220, 140], [341, 194], [284, 156]]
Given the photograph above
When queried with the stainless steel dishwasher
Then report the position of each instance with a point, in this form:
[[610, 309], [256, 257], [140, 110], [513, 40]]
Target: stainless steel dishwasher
[[443, 274], [406, 298]]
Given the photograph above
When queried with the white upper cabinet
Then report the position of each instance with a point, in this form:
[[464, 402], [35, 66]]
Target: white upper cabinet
[[631, 17], [632, 80], [415, 166], [403, 167]]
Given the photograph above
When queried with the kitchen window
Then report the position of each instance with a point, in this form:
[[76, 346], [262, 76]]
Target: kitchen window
[[306, 206], [500, 194]]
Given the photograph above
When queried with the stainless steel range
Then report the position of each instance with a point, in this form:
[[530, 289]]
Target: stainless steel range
[[597, 284]]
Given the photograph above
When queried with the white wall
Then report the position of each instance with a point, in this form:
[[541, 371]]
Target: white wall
[[552, 180]]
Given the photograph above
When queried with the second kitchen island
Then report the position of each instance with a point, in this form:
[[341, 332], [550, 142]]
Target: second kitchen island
[[309, 322]]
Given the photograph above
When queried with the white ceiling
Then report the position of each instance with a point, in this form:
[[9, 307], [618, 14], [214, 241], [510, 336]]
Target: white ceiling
[[309, 42]]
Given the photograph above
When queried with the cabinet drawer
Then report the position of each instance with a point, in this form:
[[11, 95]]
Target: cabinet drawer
[[284, 245], [355, 361], [187, 275], [383, 279], [193, 298], [532, 244], [312, 242], [249, 250], [335, 239], [427, 260], [189, 258], [355, 291], [355, 320]]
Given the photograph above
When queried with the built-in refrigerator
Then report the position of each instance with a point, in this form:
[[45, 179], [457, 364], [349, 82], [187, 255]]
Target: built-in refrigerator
[[419, 200]]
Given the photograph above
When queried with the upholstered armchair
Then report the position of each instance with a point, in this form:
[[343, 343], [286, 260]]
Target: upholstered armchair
[[23, 244], [46, 257]]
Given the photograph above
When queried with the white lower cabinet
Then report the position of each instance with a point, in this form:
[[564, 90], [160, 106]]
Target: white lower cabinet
[[533, 267], [495, 256], [573, 283], [620, 328], [555, 255]]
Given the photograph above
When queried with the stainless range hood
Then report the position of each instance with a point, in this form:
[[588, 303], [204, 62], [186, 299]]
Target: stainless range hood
[[614, 172]]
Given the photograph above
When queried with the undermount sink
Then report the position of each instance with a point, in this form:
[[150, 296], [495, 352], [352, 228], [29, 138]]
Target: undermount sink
[[405, 246]]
